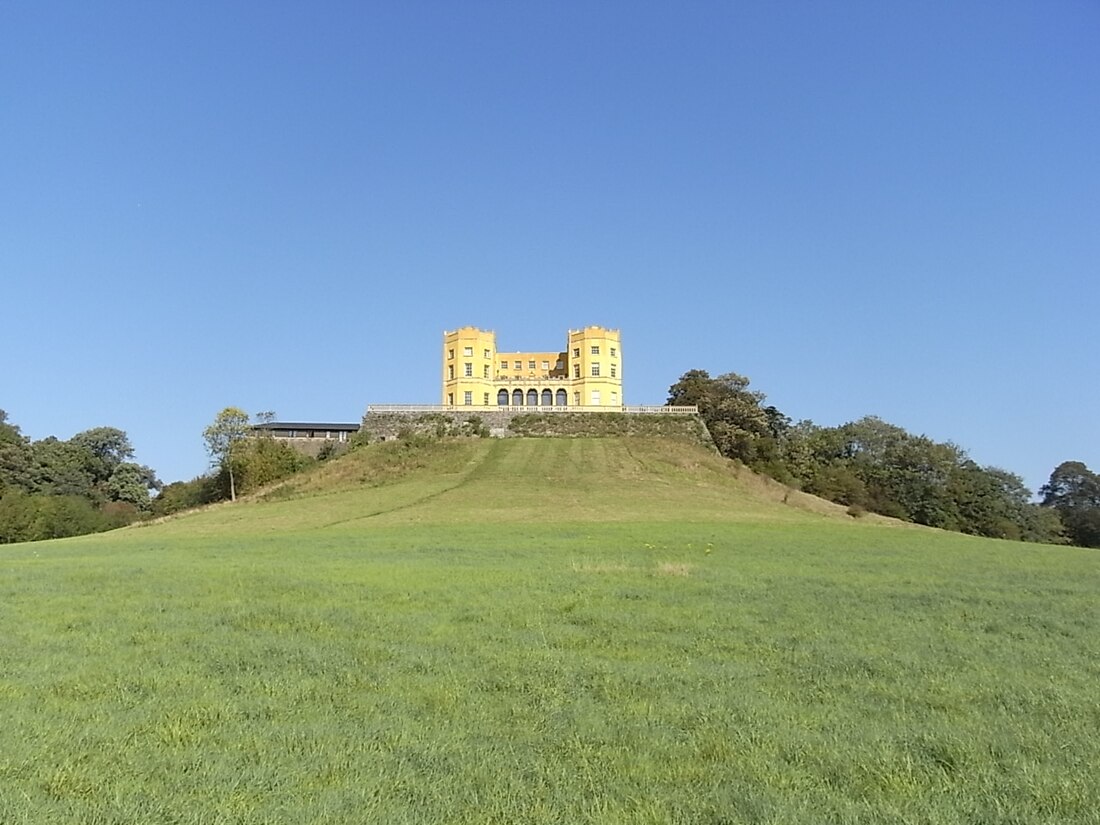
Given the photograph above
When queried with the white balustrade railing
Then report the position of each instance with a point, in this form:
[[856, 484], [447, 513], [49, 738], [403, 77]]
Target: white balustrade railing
[[634, 409]]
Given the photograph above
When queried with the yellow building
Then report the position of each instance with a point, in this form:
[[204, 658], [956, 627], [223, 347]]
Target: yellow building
[[588, 373]]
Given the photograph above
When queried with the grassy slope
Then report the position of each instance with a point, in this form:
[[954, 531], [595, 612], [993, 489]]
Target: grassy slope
[[545, 631], [529, 481]]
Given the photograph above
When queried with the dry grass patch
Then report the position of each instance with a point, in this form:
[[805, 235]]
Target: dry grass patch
[[670, 568], [665, 568]]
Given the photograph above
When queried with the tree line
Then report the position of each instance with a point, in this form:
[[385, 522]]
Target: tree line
[[53, 488], [872, 465]]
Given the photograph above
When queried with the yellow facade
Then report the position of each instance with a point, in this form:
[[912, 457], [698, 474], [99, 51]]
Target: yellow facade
[[587, 373]]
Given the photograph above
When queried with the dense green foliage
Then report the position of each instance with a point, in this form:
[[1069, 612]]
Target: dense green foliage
[[870, 464], [244, 460], [52, 488], [185, 495], [1074, 493], [639, 632], [260, 460]]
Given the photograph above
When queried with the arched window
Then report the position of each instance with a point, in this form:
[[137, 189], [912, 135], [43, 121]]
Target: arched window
[[532, 398], [562, 399], [502, 398], [547, 398], [517, 398]]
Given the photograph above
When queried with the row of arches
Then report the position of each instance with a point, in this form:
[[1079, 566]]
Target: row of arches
[[532, 398]]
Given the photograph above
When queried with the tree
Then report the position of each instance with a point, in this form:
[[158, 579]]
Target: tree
[[36, 517], [17, 514], [264, 460], [183, 495], [991, 501], [1072, 485], [53, 488], [223, 438], [132, 483], [107, 448], [61, 468], [740, 427], [878, 466], [9, 433], [884, 468], [1074, 492]]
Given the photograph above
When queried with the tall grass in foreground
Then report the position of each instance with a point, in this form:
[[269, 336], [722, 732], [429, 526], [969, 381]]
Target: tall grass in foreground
[[395, 668]]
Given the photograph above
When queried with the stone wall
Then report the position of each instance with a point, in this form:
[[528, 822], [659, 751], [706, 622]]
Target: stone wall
[[572, 425], [383, 426]]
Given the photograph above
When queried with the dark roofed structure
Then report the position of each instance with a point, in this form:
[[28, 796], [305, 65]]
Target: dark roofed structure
[[306, 429]]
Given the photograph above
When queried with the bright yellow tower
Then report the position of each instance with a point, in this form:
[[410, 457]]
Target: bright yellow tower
[[587, 374]]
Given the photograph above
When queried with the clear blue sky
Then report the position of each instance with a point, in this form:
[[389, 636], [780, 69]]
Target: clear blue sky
[[866, 207]]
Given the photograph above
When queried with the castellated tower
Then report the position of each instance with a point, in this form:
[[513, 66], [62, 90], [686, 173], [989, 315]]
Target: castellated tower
[[587, 374]]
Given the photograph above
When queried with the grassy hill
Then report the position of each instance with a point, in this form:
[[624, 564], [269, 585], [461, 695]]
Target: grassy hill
[[535, 480], [546, 630]]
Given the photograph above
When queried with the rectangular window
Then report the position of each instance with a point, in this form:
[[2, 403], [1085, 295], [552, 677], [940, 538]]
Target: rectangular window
[[576, 352], [451, 398], [560, 365], [614, 352], [596, 370], [485, 399], [488, 355], [614, 370], [503, 366], [468, 369], [576, 399], [614, 399], [450, 354], [485, 371], [468, 352], [468, 398], [530, 365], [546, 366], [450, 372], [595, 350], [595, 398], [519, 365], [576, 370]]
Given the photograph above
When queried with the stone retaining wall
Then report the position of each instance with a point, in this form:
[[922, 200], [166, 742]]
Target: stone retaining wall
[[383, 426]]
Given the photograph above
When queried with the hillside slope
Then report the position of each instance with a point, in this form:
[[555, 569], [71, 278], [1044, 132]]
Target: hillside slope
[[518, 480]]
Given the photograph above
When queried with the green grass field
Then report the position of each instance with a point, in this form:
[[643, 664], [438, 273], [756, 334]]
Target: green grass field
[[546, 631]]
